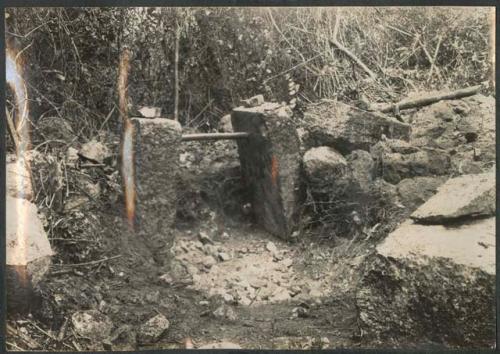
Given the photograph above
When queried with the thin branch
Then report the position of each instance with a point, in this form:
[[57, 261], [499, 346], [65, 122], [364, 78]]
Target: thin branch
[[11, 129], [429, 99], [429, 58], [176, 67], [334, 42], [353, 57], [336, 25], [433, 64], [294, 67], [92, 262]]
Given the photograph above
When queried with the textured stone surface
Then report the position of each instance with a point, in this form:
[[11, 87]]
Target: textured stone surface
[[324, 163], [464, 196], [403, 301], [18, 180], [394, 166], [157, 158], [465, 128], [361, 168], [471, 244], [348, 128], [92, 324], [28, 253], [152, 330], [415, 191], [431, 283], [270, 161]]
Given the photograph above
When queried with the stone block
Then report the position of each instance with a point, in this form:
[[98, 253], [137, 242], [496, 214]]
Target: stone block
[[394, 166], [18, 180], [431, 282], [156, 166], [415, 191], [253, 101], [270, 161], [28, 253], [323, 164], [150, 112], [461, 197], [349, 128]]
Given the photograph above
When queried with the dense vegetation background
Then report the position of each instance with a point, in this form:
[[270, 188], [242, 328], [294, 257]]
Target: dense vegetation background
[[226, 54]]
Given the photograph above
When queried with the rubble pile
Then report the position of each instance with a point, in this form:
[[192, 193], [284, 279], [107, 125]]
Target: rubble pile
[[359, 163], [242, 271]]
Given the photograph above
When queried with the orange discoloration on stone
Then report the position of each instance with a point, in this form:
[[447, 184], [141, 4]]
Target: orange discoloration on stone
[[274, 170]]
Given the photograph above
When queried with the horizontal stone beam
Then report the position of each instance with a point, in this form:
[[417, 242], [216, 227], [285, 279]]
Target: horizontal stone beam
[[215, 136]]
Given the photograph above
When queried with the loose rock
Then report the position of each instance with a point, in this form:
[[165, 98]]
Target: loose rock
[[92, 324], [323, 164], [252, 101], [271, 247], [225, 312], [225, 124], [94, 151], [150, 112], [224, 256], [204, 238], [415, 191], [151, 331]]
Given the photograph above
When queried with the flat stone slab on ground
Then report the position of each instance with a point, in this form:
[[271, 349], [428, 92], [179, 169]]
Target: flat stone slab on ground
[[464, 196], [28, 253], [471, 244], [26, 240], [431, 281]]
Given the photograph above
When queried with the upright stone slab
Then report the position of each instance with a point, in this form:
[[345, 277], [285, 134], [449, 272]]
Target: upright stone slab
[[28, 253], [270, 161], [157, 162]]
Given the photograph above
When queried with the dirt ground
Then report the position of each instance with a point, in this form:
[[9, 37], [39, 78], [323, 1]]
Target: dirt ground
[[299, 296], [243, 286]]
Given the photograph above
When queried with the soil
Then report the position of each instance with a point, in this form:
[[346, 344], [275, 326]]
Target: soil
[[255, 291], [321, 315]]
